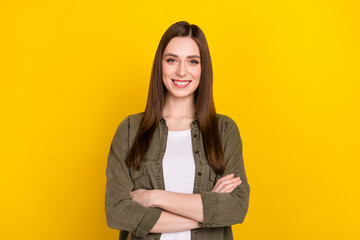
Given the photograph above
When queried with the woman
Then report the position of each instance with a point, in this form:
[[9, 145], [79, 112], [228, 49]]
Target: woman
[[176, 170]]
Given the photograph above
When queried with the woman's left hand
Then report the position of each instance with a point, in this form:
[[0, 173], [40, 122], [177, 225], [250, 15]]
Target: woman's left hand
[[142, 196]]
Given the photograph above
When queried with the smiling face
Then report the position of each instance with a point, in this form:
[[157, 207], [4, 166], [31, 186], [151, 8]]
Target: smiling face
[[181, 68]]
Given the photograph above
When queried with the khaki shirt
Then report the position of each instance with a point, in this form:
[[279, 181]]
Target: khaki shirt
[[221, 210]]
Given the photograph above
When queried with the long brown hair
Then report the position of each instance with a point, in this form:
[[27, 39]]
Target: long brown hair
[[203, 98]]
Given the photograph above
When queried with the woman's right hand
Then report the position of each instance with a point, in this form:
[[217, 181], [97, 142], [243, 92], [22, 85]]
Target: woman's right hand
[[226, 184]]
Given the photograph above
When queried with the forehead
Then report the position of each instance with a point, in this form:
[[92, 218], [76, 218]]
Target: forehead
[[182, 46]]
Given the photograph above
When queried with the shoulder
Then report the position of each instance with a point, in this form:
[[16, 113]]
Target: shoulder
[[131, 121], [135, 118], [222, 117], [227, 127], [225, 121]]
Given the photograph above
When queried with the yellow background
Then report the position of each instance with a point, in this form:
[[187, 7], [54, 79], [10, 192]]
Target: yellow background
[[286, 71]]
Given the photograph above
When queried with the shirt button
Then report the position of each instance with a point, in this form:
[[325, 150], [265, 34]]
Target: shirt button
[[195, 135], [196, 151], [199, 173]]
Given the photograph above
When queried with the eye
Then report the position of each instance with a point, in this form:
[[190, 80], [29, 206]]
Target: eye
[[170, 60], [194, 61]]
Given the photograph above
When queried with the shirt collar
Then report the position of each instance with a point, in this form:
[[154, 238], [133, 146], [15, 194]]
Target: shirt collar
[[195, 119]]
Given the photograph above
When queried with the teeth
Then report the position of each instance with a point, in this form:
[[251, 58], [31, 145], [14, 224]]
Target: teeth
[[181, 83]]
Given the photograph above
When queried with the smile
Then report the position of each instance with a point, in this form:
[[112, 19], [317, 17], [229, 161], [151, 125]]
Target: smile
[[181, 83]]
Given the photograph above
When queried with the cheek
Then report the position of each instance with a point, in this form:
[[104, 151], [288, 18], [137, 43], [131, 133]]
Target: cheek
[[166, 70], [196, 73]]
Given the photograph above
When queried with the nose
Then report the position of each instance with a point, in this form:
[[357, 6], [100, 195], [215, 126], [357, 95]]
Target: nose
[[181, 70]]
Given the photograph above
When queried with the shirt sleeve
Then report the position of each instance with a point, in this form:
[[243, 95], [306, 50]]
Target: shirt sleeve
[[121, 212], [226, 209]]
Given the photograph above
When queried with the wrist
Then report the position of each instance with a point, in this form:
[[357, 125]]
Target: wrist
[[155, 197]]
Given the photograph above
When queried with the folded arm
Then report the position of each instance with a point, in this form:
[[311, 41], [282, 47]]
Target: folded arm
[[173, 211], [170, 222], [215, 208], [187, 205]]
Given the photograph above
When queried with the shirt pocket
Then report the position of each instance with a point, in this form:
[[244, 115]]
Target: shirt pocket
[[141, 178]]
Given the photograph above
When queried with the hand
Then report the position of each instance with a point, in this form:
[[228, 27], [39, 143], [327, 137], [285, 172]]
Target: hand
[[226, 184], [142, 196]]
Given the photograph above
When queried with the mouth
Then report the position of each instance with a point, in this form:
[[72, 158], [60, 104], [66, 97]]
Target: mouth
[[181, 83]]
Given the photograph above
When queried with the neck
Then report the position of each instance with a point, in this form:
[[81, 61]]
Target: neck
[[179, 107]]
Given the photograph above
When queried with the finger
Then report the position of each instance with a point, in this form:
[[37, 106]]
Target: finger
[[228, 190], [230, 187], [226, 177], [224, 183], [219, 184], [228, 181]]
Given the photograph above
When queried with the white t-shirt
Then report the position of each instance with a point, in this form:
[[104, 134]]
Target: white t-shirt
[[179, 171]]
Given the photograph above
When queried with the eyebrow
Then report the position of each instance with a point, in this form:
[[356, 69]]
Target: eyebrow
[[174, 55]]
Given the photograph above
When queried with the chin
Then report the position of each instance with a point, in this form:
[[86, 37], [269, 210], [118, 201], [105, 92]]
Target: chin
[[177, 95]]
